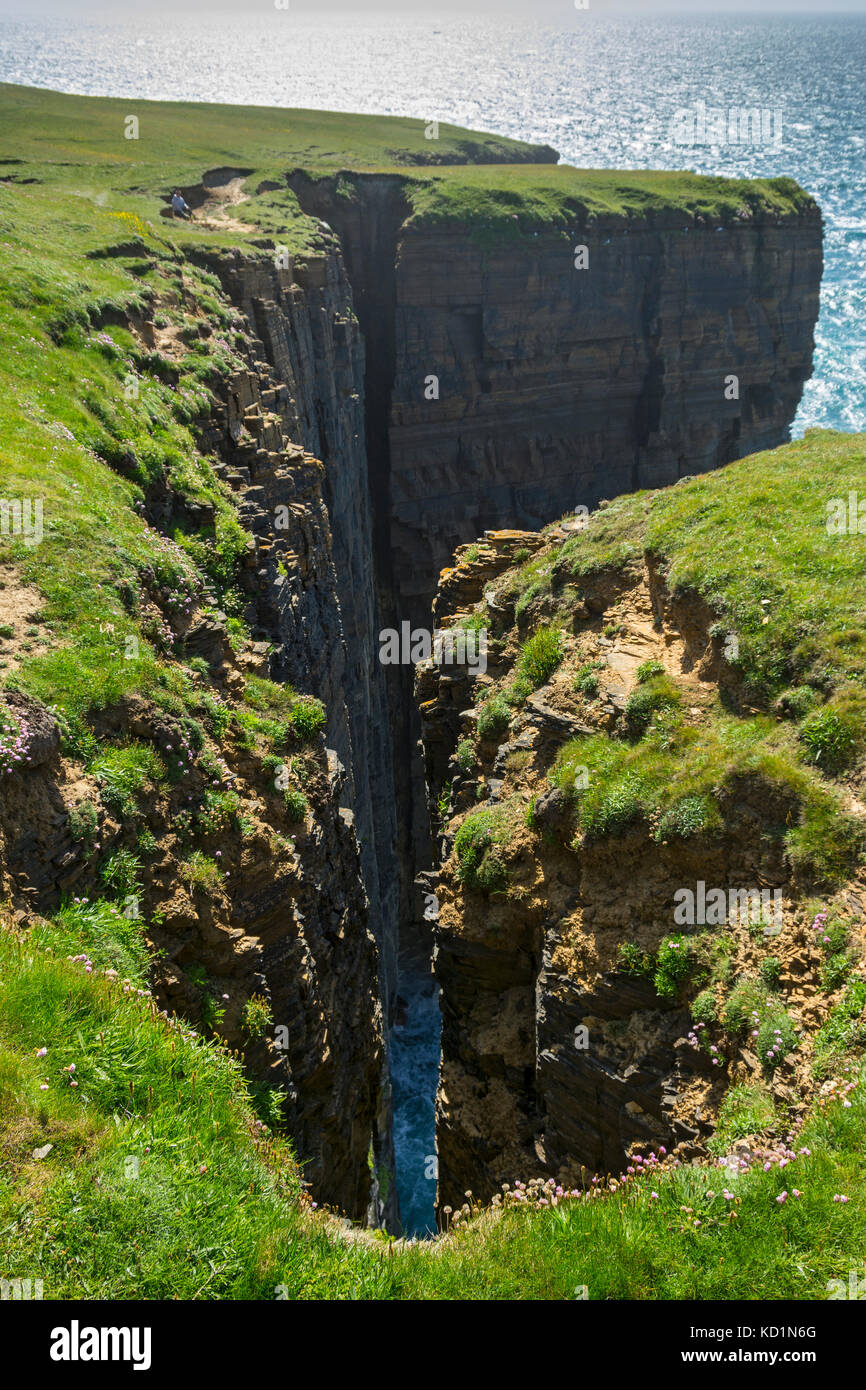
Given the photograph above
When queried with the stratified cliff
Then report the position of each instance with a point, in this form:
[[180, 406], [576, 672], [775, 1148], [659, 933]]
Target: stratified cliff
[[534, 368], [244, 894], [652, 727], [312, 347], [560, 386], [517, 370]]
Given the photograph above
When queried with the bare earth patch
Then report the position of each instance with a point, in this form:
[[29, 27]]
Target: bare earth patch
[[20, 609]]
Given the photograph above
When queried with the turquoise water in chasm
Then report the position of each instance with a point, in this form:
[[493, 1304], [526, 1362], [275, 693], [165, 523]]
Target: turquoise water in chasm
[[414, 1074]]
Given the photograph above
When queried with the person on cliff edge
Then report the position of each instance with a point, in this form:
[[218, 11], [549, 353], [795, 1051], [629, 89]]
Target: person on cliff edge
[[179, 206]]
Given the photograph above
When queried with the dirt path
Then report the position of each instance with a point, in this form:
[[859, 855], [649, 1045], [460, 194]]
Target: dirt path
[[213, 213]]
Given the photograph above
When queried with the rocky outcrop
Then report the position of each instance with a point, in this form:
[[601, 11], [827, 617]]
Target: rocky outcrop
[[559, 1054], [284, 921]]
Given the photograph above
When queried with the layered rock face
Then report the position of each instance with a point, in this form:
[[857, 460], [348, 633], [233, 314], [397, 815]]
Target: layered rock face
[[291, 921], [557, 1055], [312, 349], [292, 435], [560, 386], [551, 386]]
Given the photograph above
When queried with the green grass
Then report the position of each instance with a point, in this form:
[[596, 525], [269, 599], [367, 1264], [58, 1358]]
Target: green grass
[[161, 1183], [752, 540], [183, 138], [478, 847], [494, 717], [200, 872], [676, 796], [465, 755], [844, 1033], [670, 774], [673, 965], [296, 803], [539, 656], [110, 938], [497, 188], [257, 1017], [656, 693], [71, 439], [124, 773], [746, 1110], [523, 199]]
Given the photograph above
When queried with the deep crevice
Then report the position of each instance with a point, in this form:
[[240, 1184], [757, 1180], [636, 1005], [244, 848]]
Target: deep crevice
[[367, 212]]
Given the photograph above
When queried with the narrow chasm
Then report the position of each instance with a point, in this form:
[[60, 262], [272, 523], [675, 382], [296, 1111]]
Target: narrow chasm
[[367, 212], [558, 390]]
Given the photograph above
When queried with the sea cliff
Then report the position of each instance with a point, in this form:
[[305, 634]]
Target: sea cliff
[[255, 440]]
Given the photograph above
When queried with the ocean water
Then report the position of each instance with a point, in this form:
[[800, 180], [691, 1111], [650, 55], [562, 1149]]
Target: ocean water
[[602, 91], [605, 93]]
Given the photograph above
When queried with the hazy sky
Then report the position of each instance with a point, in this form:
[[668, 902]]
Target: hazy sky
[[548, 11]]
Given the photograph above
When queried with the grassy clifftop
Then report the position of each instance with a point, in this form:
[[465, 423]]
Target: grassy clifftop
[[674, 698], [756, 661], [74, 152], [181, 138]]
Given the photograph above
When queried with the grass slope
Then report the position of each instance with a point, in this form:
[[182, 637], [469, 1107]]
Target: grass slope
[[751, 545], [160, 1182]]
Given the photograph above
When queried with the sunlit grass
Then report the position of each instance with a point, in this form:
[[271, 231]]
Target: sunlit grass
[[160, 1183]]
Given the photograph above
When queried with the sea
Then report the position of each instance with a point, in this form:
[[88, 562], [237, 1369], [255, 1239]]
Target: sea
[[644, 92]]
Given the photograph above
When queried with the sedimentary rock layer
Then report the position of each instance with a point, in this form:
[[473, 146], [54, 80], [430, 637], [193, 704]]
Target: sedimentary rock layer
[[560, 386], [550, 386]]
